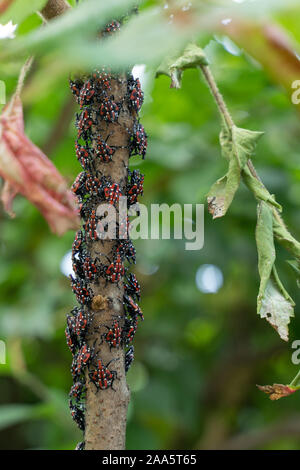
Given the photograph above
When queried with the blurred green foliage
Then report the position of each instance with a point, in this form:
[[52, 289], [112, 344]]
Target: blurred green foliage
[[198, 356]]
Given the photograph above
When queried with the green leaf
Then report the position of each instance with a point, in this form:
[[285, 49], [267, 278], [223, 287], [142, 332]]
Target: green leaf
[[265, 248], [192, 57], [273, 301], [295, 264], [81, 21], [19, 10], [285, 238], [258, 189], [238, 145]]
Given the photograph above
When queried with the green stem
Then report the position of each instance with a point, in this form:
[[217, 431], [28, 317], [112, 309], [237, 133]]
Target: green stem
[[282, 235], [296, 381]]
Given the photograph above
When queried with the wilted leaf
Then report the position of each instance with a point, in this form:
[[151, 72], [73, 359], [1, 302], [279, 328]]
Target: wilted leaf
[[273, 301], [286, 239], [277, 391], [258, 189], [165, 69], [192, 57], [265, 248], [26, 170], [237, 146], [295, 264], [277, 306]]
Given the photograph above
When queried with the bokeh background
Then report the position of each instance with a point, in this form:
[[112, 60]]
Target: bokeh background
[[202, 347]]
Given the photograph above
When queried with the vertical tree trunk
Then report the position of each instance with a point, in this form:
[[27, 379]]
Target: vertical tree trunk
[[106, 410], [100, 395]]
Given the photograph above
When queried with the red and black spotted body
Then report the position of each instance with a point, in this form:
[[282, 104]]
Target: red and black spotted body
[[78, 241], [124, 229], [83, 294], [75, 87], [132, 307], [71, 340], [93, 185], [109, 110], [114, 335], [87, 93], [112, 27], [90, 269], [132, 287], [115, 270], [93, 226], [139, 140], [125, 249], [81, 360], [84, 123], [77, 413], [103, 151], [135, 94], [129, 358], [129, 330], [112, 193], [135, 187], [77, 391], [102, 377], [82, 322], [78, 187], [102, 81], [84, 155]]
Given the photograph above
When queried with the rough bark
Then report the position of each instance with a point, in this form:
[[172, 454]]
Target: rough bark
[[106, 410]]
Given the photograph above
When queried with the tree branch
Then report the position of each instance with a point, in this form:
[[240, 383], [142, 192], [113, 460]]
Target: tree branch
[[282, 234]]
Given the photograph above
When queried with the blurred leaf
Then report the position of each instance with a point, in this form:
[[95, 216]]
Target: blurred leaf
[[271, 46], [21, 9], [27, 170], [82, 21], [14, 414]]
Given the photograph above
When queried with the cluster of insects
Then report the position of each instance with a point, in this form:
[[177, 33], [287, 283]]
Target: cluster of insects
[[99, 114]]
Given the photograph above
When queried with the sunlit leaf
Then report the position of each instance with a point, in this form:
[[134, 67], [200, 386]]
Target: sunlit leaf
[[21, 9]]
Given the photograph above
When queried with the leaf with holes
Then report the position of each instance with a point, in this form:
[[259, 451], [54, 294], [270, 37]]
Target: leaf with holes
[[273, 301]]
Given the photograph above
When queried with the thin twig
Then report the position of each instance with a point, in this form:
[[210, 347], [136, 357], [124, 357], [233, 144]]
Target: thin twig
[[294, 246]]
